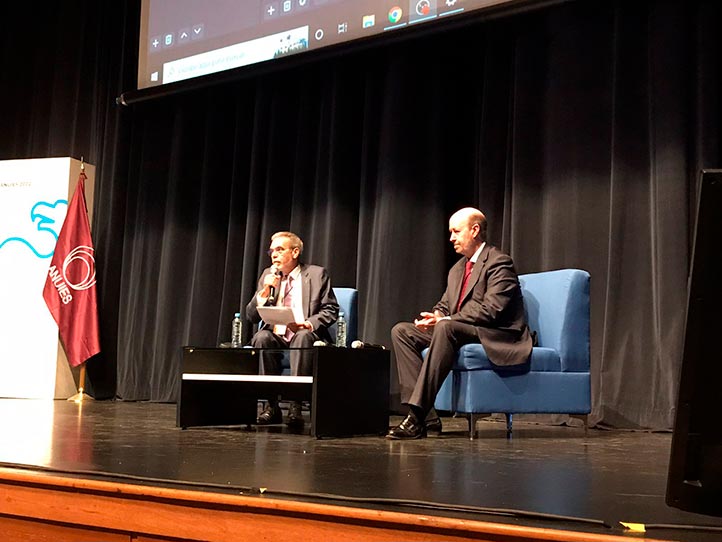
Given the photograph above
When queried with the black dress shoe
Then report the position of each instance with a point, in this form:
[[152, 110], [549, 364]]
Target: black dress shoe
[[433, 425], [432, 421], [408, 429], [270, 415], [295, 415]]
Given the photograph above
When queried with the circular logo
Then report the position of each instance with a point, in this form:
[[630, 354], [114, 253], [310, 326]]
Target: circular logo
[[423, 7], [395, 14], [79, 268]]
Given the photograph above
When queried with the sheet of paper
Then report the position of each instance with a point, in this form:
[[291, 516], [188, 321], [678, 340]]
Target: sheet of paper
[[277, 315]]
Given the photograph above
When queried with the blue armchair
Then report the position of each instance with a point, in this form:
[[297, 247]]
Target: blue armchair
[[557, 379]]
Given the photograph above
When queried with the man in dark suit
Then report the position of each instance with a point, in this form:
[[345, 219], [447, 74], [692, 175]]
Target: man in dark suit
[[306, 289], [482, 304]]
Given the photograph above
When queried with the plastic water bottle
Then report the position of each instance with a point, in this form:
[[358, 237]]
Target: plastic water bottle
[[237, 331], [341, 330]]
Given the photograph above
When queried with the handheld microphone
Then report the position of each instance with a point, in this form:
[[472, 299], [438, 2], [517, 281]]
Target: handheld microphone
[[361, 344], [272, 289]]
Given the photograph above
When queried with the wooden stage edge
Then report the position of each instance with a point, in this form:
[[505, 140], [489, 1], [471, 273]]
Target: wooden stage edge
[[38, 506]]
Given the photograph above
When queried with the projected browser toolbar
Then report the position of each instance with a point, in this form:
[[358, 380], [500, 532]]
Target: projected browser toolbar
[[182, 39]]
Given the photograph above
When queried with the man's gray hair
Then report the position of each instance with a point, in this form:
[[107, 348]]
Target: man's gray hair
[[295, 239]]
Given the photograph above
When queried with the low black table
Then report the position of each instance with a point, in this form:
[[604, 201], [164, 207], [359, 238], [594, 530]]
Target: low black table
[[348, 392]]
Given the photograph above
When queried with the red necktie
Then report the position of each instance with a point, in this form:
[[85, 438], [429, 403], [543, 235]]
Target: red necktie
[[467, 274]]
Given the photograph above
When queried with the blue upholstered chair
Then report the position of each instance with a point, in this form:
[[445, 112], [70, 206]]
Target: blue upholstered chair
[[557, 379], [348, 304]]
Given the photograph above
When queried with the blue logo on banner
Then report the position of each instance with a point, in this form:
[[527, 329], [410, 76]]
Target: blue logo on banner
[[45, 217]]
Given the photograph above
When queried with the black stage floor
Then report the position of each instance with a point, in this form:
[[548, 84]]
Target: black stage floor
[[545, 476]]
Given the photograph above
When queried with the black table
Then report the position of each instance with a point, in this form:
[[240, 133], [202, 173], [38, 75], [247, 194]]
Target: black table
[[348, 392]]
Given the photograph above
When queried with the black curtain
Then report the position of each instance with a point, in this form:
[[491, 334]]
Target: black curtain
[[579, 129]]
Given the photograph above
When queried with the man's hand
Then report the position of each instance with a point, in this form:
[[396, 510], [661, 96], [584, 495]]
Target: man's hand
[[428, 320], [293, 326], [270, 280]]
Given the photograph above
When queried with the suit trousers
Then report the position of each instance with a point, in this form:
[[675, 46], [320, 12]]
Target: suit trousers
[[420, 379], [301, 361]]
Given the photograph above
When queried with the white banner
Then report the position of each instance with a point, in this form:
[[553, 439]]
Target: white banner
[[34, 197]]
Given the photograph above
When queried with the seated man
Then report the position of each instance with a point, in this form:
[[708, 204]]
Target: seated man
[[482, 304], [307, 290]]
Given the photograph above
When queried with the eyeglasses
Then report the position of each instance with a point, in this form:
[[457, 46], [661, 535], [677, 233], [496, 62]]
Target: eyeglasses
[[278, 250]]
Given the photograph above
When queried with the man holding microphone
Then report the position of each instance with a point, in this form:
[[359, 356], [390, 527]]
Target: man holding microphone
[[306, 289]]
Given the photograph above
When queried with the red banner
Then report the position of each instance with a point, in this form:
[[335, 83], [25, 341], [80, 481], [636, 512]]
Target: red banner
[[70, 285]]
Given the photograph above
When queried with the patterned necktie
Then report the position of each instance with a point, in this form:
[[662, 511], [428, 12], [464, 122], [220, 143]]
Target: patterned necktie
[[287, 292], [287, 303], [467, 274]]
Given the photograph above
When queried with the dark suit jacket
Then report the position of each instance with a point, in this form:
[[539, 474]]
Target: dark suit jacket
[[493, 303], [319, 302]]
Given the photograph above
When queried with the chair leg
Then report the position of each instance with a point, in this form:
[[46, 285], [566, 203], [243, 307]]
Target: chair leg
[[509, 421], [471, 418]]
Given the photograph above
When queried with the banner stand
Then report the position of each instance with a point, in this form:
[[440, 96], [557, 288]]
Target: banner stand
[[69, 290], [81, 396]]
